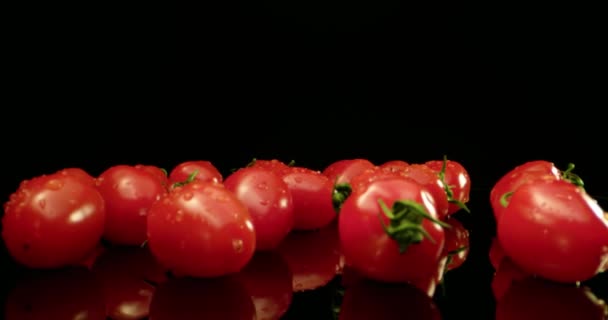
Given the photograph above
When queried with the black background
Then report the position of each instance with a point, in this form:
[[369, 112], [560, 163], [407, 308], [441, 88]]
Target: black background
[[488, 85]]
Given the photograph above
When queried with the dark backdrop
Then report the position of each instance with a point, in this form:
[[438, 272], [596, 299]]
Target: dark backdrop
[[489, 85]]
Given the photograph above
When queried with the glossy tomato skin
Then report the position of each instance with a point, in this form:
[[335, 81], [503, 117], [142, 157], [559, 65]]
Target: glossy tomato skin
[[547, 224], [457, 178], [456, 243], [371, 251], [277, 166], [201, 230], [269, 202], [394, 165], [342, 171], [428, 178], [53, 221], [311, 192], [128, 192], [206, 172], [364, 179], [80, 174], [159, 173]]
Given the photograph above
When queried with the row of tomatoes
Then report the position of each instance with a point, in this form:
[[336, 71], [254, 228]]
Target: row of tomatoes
[[393, 217]]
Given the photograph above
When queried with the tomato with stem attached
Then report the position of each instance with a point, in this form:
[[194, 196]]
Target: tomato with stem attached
[[390, 231], [457, 183], [456, 244], [342, 171], [201, 229], [205, 171]]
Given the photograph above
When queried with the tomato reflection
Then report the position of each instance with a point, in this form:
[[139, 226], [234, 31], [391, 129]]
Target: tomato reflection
[[66, 294], [125, 274], [187, 298], [506, 274], [312, 256], [371, 300], [268, 280], [536, 299]]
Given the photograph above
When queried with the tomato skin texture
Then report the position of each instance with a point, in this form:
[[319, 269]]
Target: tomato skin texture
[[547, 223], [269, 202], [80, 174], [201, 230], [157, 172], [394, 165], [369, 249], [342, 171], [53, 221], [206, 172], [277, 166], [429, 179], [456, 237], [520, 175], [311, 192], [457, 177], [364, 179], [128, 192]]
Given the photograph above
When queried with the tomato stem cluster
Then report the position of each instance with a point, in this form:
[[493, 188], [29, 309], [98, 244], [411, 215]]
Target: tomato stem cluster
[[340, 193], [405, 225], [572, 177], [190, 178]]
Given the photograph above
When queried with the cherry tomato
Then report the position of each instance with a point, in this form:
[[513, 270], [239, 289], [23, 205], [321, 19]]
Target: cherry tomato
[[538, 299], [313, 257], [457, 179], [269, 202], [520, 175], [223, 298], [373, 236], [456, 244], [428, 178], [547, 223], [342, 171], [205, 171], [201, 230], [311, 192], [274, 165], [361, 181], [394, 165], [268, 279], [53, 221], [80, 174], [71, 293], [159, 173], [370, 300], [128, 191], [126, 293]]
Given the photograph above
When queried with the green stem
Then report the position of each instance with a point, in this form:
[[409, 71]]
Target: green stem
[[504, 199], [448, 189], [572, 177], [340, 193], [190, 178]]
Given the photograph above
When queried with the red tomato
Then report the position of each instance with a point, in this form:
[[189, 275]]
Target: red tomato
[[533, 299], [201, 230], [520, 175], [222, 298], [128, 192], [427, 177], [126, 293], [429, 284], [547, 223], [343, 171], [205, 171], [312, 198], [90, 259], [456, 244], [313, 257], [496, 253], [267, 279], [457, 180], [374, 238], [71, 293], [369, 300], [394, 165], [80, 174], [274, 165], [269, 201], [507, 273], [53, 221], [159, 173], [361, 181]]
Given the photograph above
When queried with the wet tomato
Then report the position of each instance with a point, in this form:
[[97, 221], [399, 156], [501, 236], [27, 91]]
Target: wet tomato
[[205, 171], [457, 181], [311, 192]]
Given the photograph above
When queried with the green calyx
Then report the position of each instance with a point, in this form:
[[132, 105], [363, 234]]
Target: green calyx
[[448, 189], [405, 223], [190, 178], [572, 177], [341, 191]]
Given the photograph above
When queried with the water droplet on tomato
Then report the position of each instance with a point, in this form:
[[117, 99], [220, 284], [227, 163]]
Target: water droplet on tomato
[[188, 196], [264, 202], [237, 245], [42, 203], [262, 186], [179, 215], [54, 184], [157, 197], [143, 211]]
